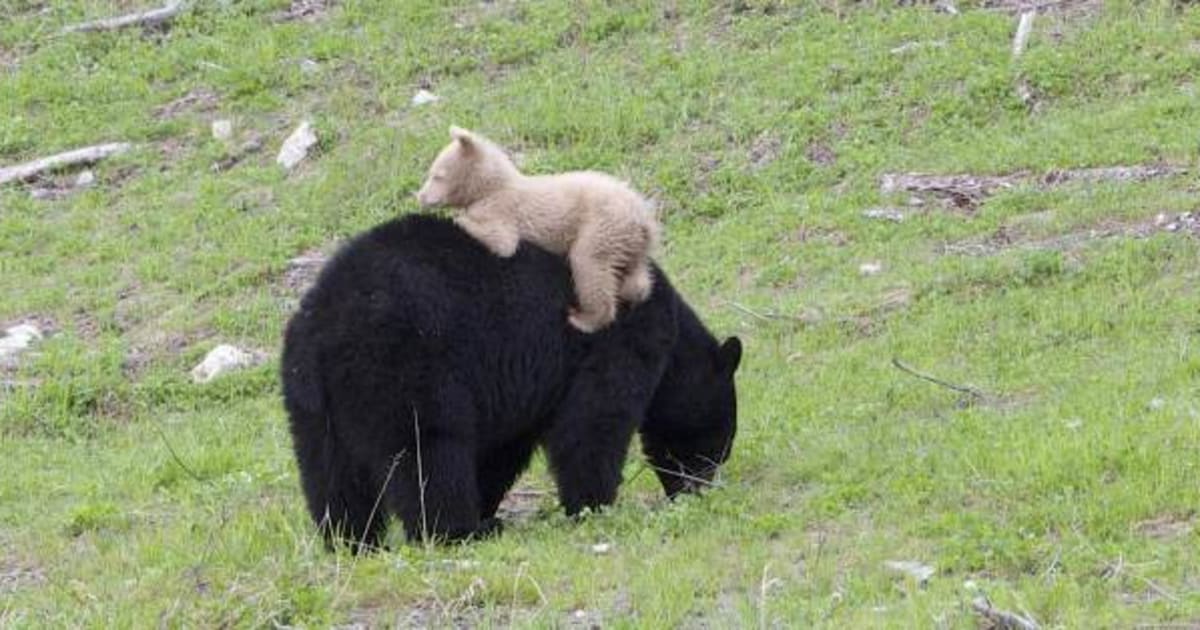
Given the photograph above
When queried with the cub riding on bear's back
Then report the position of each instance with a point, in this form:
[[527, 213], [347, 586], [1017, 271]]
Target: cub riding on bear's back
[[605, 228]]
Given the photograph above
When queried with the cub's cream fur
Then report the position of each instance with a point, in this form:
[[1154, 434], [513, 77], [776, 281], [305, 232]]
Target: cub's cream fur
[[606, 230]]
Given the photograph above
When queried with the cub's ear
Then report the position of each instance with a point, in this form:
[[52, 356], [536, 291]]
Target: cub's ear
[[731, 355], [463, 136]]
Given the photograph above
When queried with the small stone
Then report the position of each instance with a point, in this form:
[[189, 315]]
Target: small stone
[[1157, 403], [1074, 424], [1161, 219], [296, 147], [947, 7], [222, 129], [601, 548], [85, 179], [870, 268], [308, 66], [888, 214], [920, 572], [16, 340], [221, 360], [424, 97], [916, 201]]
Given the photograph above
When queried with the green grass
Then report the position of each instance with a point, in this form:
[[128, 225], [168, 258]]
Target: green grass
[[1070, 492]]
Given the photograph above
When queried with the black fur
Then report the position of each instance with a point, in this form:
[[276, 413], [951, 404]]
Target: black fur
[[415, 334]]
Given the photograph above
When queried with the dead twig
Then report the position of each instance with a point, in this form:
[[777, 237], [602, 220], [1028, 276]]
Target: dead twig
[[768, 316], [1002, 619], [150, 18], [175, 456], [86, 155], [975, 394]]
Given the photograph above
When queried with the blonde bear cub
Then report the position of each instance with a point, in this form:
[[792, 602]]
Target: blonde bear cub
[[606, 230]]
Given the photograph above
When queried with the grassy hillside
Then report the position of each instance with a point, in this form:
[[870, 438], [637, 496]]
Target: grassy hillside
[[1067, 488]]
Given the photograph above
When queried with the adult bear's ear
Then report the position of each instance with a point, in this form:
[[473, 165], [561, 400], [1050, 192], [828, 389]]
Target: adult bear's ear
[[465, 138], [731, 355]]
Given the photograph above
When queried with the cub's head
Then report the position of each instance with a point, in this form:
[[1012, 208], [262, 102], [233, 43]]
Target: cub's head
[[691, 423], [469, 169]]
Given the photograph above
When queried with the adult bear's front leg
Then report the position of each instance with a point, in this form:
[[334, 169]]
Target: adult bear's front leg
[[586, 447]]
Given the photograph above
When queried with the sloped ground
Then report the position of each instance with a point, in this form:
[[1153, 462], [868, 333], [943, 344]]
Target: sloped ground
[[1051, 468]]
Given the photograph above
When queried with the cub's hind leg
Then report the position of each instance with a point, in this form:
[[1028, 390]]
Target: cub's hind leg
[[596, 282], [637, 282]]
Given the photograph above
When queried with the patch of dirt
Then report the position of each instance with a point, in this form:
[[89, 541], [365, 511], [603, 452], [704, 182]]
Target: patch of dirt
[[811, 234], [87, 326], [1166, 526], [16, 575], [303, 270], [172, 150], [706, 164], [521, 504], [765, 149], [305, 10], [820, 153], [199, 100], [235, 157]]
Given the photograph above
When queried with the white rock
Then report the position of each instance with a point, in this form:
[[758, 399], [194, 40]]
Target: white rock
[[921, 572], [601, 548], [424, 97], [308, 66], [222, 129], [84, 179], [17, 339], [947, 7], [1074, 424], [889, 214], [221, 360], [1157, 403], [870, 268], [296, 147]]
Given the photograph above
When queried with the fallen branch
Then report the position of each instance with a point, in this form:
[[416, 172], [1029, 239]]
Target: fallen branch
[[154, 17], [175, 456], [967, 191], [764, 316], [86, 155], [1051, 5], [1001, 619], [975, 394]]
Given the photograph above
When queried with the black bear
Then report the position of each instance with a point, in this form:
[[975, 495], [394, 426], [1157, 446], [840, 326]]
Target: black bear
[[420, 373]]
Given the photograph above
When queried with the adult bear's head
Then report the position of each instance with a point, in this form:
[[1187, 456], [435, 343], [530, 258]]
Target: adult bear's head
[[690, 425]]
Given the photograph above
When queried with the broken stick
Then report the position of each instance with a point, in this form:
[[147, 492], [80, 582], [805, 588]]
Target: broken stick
[[1000, 619], [153, 17], [87, 155], [975, 394]]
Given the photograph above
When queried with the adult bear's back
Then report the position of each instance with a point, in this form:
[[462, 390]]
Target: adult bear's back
[[415, 298]]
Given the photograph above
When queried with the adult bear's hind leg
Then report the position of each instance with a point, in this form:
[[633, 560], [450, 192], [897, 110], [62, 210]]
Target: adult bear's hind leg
[[435, 490], [338, 494]]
